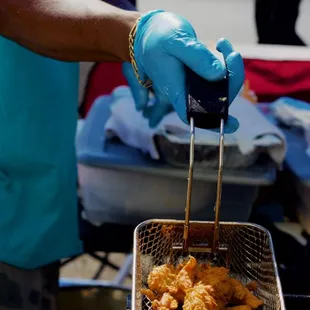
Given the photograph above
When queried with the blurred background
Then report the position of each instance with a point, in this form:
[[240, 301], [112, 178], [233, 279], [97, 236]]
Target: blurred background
[[237, 21]]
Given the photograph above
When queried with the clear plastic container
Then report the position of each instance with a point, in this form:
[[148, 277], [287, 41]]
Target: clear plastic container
[[121, 185]]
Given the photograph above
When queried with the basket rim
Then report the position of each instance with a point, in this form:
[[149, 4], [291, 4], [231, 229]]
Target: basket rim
[[171, 221]]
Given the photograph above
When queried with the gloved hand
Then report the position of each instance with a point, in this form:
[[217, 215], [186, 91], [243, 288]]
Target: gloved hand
[[164, 43]]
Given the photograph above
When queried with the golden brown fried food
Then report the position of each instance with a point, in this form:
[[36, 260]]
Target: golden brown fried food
[[252, 301], [205, 272], [186, 276], [198, 287], [149, 294], [217, 278], [239, 291], [162, 279], [167, 302], [242, 296], [161, 302], [199, 298], [252, 286]]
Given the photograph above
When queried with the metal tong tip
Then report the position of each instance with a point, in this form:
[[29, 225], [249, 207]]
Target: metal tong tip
[[219, 189], [190, 185]]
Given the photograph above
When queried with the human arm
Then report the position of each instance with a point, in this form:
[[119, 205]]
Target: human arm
[[164, 44], [69, 30]]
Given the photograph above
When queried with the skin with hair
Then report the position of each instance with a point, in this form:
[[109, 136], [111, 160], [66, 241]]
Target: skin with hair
[[69, 30]]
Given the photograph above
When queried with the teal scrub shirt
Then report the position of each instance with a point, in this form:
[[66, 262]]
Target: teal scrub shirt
[[38, 115]]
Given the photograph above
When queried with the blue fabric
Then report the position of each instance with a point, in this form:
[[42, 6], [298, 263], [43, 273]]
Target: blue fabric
[[164, 43], [38, 113]]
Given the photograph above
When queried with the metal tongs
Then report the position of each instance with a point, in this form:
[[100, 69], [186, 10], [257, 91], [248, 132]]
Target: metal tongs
[[207, 108]]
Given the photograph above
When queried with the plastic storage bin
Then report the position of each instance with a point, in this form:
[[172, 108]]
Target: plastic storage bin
[[119, 184], [177, 155], [298, 162]]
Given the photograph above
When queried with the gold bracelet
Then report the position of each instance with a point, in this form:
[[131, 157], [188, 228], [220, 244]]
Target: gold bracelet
[[132, 35]]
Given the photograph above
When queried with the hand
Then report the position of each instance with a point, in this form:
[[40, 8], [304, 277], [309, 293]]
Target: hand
[[164, 43], [160, 104]]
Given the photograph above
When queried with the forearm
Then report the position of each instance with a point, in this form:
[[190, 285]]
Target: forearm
[[78, 56], [70, 30]]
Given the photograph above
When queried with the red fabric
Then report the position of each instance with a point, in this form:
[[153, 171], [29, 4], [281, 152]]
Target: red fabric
[[103, 78], [268, 79], [272, 79]]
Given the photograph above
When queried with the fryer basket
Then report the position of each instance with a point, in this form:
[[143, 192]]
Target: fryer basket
[[251, 255]]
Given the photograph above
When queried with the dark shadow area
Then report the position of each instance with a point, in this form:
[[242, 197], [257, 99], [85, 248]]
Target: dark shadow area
[[276, 22]]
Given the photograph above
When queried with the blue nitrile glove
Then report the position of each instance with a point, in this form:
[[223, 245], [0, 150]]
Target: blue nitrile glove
[[164, 42]]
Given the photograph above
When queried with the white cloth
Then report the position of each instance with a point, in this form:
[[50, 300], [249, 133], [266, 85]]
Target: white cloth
[[254, 131], [292, 112], [79, 127], [290, 116]]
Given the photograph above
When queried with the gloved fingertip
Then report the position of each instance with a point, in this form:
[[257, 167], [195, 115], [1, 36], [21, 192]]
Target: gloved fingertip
[[141, 97], [231, 126], [180, 107], [145, 112], [140, 106], [234, 55], [223, 44], [224, 47], [234, 63], [153, 123], [153, 119], [159, 111], [126, 66], [235, 58], [236, 74], [218, 71]]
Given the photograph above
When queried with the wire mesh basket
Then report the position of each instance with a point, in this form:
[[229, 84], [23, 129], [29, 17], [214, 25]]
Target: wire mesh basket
[[250, 253]]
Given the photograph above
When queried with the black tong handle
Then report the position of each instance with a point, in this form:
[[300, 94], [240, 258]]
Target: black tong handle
[[207, 102]]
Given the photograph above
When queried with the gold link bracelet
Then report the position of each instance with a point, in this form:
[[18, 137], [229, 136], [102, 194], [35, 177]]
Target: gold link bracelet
[[132, 35]]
